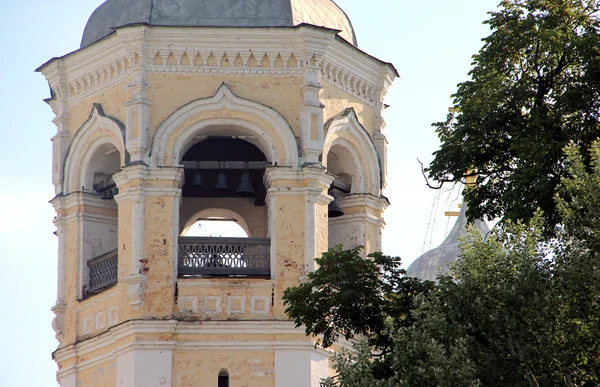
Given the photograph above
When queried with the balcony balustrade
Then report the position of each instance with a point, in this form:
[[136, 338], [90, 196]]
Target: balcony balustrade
[[103, 271], [224, 257]]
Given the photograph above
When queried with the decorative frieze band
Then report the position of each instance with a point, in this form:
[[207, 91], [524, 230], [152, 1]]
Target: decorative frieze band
[[211, 62]]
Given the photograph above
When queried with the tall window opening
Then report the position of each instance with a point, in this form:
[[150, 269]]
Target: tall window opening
[[224, 220], [99, 239], [342, 164], [223, 379]]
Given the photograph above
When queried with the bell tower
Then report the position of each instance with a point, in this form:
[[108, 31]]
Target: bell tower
[[257, 115]]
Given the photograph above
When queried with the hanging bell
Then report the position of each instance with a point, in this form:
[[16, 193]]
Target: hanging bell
[[245, 189], [334, 210], [197, 181], [221, 182]]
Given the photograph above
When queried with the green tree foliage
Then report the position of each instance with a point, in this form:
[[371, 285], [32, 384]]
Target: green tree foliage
[[518, 309], [534, 87]]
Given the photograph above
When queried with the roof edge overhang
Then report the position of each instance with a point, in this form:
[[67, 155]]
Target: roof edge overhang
[[391, 67]]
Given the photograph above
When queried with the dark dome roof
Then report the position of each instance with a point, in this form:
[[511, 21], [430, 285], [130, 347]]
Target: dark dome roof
[[216, 13], [429, 265]]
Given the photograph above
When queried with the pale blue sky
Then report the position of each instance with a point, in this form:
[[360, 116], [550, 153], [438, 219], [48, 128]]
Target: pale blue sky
[[429, 42]]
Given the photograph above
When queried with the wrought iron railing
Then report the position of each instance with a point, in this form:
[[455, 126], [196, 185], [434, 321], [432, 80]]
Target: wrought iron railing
[[103, 271], [224, 257]]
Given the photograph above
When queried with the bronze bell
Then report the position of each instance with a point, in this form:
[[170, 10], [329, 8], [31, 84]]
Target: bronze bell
[[334, 210], [197, 181], [221, 182], [245, 189]]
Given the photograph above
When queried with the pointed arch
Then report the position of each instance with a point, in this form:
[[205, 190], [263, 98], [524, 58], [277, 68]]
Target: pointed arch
[[224, 114], [346, 131], [97, 131]]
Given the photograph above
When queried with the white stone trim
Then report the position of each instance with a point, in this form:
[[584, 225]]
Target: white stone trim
[[79, 153], [123, 330], [192, 299], [89, 71], [348, 132], [356, 218], [267, 303], [113, 315], [206, 308], [224, 98], [87, 325], [205, 283], [183, 346], [230, 304], [371, 201], [100, 323]]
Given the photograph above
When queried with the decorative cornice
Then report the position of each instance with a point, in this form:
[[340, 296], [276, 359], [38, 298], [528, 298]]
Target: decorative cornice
[[80, 198], [259, 51], [136, 327]]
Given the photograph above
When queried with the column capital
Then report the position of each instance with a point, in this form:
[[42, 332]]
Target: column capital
[[311, 181], [139, 180]]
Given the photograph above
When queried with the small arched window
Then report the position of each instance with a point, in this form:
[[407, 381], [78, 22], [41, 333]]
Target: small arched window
[[223, 380]]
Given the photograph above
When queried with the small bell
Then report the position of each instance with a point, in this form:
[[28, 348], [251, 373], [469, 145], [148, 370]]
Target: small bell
[[245, 189], [197, 181], [221, 182], [333, 209]]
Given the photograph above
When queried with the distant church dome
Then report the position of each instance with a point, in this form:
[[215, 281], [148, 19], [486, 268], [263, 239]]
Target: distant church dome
[[429, 265], [216, 13]]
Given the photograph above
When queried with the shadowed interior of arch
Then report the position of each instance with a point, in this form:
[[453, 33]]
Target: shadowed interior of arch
[[223, 378], [223, 217], [98, 268]]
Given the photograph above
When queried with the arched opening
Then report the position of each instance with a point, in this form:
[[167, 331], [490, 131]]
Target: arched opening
[[216, 227], [223, 217], [98, 169], [223, 378], [342, 163], [99, 220]]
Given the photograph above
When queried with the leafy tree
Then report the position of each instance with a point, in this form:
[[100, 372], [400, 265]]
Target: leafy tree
[[350, 296], [518, 309], [533, 88]]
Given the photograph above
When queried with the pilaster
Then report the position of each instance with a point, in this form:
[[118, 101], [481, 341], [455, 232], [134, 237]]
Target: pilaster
[[137, 109], [361, 224], [60, 306], [312, 132], [309, 187], [130, 182], [59, 90], [149, 227]]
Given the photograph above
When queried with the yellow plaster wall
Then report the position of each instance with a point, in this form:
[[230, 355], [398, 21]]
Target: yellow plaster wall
[[290, 242], [103, 375], [97, 307], [336, 101], [322, 228], [246, 368], [159, 217], [168, 92], [235, 299], [70, 331], [112, 100]]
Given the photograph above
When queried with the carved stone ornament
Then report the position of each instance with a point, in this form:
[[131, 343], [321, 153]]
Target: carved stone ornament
[[135, 289]]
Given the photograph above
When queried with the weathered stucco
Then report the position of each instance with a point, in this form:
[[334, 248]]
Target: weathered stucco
[[140, 99]]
